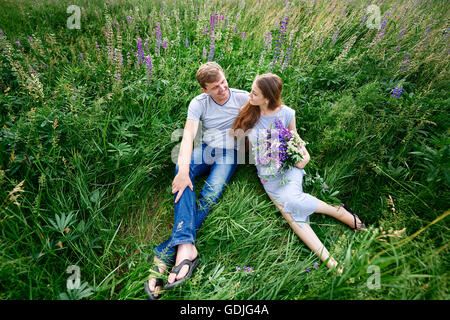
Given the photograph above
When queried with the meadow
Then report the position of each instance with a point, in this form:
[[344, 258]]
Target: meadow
[[89, 102]]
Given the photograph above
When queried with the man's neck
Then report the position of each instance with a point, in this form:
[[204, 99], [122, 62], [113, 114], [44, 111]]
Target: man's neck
[[223, 100]]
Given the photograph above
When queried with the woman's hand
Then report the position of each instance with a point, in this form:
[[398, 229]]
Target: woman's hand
[[306, 158]]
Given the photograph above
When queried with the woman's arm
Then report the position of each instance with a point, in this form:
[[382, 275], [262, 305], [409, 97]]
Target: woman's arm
[[305, 153]]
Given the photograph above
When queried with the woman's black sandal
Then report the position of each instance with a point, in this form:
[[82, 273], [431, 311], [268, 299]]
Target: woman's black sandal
[[363, 226]]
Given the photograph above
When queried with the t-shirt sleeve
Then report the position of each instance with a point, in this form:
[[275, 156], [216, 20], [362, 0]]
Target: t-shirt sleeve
[[242, 98], [195, 110], [290, 114]]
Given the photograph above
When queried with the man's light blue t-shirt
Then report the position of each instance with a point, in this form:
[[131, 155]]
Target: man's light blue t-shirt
[[217, 120]]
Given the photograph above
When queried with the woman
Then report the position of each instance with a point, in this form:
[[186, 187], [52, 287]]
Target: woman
[[259, 114]]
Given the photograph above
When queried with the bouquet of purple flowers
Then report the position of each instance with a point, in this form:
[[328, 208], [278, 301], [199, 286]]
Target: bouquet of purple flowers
[[278, 148]]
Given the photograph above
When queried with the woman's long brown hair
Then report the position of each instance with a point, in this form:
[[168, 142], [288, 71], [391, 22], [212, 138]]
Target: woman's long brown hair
[[271, 86]]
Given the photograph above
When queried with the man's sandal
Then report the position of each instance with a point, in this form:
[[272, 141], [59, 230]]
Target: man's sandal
[[159, 283], [192, 264]]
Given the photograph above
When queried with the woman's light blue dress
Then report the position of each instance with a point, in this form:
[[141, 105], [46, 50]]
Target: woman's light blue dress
[[284, 187]]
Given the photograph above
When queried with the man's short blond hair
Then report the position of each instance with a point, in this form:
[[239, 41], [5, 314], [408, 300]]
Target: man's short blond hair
[[208, 72]]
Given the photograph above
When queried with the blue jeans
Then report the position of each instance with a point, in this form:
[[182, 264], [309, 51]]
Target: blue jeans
[[189, 215]]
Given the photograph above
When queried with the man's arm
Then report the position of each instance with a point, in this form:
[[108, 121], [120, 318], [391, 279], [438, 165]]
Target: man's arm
[[182, 180]]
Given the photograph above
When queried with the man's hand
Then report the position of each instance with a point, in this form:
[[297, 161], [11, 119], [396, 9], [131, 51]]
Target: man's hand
[[182, 180], [180, 183]]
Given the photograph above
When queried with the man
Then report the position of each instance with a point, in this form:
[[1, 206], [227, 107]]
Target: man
[[217, 108]]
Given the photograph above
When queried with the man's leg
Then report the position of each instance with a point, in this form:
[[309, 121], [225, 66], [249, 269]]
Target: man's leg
[[221, 172], [185, 209]]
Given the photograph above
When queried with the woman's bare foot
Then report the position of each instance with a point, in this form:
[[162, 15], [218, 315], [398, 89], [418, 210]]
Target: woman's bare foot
[[184, 251], [334, 264], [152, 282]]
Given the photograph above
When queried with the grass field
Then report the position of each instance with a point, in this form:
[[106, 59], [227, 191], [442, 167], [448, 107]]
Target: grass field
[[86, 122]]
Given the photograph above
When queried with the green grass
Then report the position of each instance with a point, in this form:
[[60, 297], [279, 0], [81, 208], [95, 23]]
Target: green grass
[[94, 152]]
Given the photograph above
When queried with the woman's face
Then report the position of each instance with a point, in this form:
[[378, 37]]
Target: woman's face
[[256, 96]]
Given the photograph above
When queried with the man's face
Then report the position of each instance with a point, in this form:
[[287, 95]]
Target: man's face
[[218, 90]]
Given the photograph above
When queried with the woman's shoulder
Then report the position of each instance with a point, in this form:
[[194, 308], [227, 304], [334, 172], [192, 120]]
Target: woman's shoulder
[[287, 111], [285, 108], [287, 114]]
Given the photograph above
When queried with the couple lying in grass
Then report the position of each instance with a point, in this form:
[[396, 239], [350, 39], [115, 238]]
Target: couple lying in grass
[[227, 116]]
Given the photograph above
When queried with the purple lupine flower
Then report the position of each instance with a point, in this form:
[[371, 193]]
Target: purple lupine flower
[[402, 32], [148, 62], [108, 43], [316, 265], [405, 63], [129, 18], [186, 42], [288, 55], [397, 92], [146, 44], [213, 20], [267, 41], [118, 57], [382, 30], [427, 38], [281, 36], [335, 36], [362, 20], [80, 56], [164, 45], [243, 35], [158, 36], [118, 76], [211, 49], [1, 32], [308, 270], [18, 43], [141, 56]]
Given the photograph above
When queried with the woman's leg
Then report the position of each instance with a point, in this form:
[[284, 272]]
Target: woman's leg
[[339, 213], [309, 237]]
